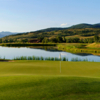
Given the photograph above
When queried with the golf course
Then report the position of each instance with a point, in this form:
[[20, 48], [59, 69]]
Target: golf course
[[42, 80]]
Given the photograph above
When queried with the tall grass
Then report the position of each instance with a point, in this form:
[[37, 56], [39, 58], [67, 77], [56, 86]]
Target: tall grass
[[51, 59], [30, 58], [57, 59], [64, 59], [38, 58], [42, 58], [33, 57]]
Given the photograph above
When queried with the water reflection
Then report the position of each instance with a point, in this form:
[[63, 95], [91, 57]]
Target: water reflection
[[83, 54], [11, 52]]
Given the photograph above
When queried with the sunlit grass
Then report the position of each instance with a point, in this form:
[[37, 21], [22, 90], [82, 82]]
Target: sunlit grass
[[49, 88], [42, 80]]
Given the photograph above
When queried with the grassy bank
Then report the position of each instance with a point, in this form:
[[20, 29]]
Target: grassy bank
[[79, 48], [69, 47], [42, 80]]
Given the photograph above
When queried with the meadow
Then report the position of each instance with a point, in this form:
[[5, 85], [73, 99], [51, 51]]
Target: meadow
[[42, 80]]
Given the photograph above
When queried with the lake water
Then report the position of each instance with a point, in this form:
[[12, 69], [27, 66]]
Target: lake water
[[11, 52]]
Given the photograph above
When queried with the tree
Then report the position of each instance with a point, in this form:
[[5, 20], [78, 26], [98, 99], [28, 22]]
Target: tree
[[85, 40], [96, 38], [10, 40], [5, 41], [90, 40], [0, 40], [64, 39], [45, 40], [24, 40], [41, 38], [59, 39], [53, 40]]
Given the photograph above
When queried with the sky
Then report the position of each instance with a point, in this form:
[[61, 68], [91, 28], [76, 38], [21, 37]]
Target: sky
[[32, 15]]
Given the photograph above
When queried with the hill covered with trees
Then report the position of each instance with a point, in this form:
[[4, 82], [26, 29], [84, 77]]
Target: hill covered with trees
[[77, 33]]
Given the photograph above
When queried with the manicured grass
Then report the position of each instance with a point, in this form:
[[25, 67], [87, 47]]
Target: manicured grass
[[49, 88], [90, 69], [42, 80]]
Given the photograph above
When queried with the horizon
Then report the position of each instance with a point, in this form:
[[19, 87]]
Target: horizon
[[32, 15], [49, 27]]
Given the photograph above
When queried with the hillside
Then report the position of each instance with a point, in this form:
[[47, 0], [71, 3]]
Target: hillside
[[84, 25], [78, 26], [50, 29], [80, 30]]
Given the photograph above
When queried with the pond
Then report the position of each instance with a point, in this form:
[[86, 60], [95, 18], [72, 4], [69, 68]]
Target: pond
[[11, 52]]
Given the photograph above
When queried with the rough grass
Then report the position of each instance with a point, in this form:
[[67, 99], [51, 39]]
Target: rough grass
[[80, 48], [78, 36], [42, 80], [94, 45]]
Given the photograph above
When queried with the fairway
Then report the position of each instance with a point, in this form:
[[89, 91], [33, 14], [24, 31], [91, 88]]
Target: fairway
[[45, 68], [42, 80]]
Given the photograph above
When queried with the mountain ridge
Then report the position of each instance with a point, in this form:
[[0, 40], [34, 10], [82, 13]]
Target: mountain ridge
[[6, 33], [77, 26], [85, 25]]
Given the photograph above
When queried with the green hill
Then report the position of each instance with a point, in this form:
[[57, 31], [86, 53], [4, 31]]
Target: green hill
[[84, 25], [79, 30], [78, 26]]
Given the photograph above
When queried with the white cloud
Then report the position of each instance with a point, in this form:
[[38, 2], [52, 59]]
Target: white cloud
[[64, 24]]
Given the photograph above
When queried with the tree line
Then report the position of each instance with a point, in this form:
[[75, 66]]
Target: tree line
[[71, 40], [58, 39]]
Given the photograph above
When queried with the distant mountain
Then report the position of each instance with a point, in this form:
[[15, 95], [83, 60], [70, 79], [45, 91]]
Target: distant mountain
[[96, 25], [84, 25], [57, 31], [3, 34]]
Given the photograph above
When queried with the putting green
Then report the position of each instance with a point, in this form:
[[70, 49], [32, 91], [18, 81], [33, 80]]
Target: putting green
[[42, 80], [80, 69]]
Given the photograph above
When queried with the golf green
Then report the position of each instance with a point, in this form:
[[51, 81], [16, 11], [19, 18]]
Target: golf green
[[42, 80]]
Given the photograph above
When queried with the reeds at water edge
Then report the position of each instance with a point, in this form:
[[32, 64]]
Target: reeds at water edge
[[51, 59]]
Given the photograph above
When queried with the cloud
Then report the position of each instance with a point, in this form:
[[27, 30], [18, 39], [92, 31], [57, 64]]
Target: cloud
[[64, 24]]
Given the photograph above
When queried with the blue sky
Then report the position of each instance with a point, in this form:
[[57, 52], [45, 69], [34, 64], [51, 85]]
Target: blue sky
[[31, 15]]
